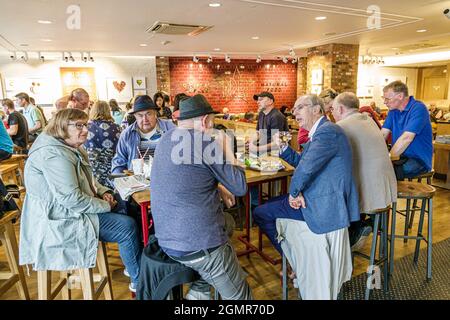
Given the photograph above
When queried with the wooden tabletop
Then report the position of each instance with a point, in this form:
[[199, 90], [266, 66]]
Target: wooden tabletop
[[8, 216], [442, 146], [251, 176]]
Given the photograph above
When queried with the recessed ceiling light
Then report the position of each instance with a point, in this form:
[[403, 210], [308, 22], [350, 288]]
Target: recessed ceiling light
[[24, 44], [214, 5], [394, 48], [320, 18], [143, 44], [422, 30], [44, 22], [216, 49], [47, 40], [255, 38]]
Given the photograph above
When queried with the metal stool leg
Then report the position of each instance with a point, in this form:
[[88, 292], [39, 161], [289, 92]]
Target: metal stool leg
[[430, 238], [391, 258], [372, 253], [285, 285], [407, 212], [385, 252], [419, 233]]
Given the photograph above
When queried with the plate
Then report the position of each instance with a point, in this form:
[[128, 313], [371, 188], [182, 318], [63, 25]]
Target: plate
[[264, 165]]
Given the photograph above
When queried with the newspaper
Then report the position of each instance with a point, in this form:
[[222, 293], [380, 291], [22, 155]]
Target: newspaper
[[126, 186]]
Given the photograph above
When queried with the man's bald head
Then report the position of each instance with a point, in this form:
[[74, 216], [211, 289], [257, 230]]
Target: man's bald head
[[79, 99]]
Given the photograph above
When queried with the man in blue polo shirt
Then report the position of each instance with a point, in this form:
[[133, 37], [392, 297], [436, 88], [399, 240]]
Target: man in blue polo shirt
[[409, 121]]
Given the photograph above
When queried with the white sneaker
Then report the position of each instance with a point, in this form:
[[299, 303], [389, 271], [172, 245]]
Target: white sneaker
[[132, 287], [125, 272], [198, 295]]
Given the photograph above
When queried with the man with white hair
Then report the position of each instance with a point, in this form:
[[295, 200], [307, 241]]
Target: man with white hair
[[372, 169], [189, 220], [322, 199]]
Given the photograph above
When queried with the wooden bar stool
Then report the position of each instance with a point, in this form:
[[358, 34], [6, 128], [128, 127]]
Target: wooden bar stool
[[381, 228], [86, 278], [415, 191], [8, 239], [18, 159], [428, 176], [8, 173]]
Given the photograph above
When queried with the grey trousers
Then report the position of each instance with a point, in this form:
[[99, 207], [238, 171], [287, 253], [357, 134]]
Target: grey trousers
[[221, 269]]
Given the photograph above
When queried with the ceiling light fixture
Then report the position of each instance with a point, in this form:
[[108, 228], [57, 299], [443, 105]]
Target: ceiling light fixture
[[46, 40], [294, 61], [90, 58], [142, 44], [421, 30], [292, 52], [285, 60], [83, 57], [195, 59], [71, 58], [24, 56], [216, 49], [215, 5], [255, 38], [41, 57], [227, 58], [44, 21], [13, 56], [321, 18], [210, 59], [258, 59]]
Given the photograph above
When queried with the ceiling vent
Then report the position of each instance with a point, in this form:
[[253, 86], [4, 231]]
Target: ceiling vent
[[177, 29]]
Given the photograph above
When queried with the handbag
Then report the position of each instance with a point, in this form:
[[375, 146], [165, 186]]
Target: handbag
[[7, 193]]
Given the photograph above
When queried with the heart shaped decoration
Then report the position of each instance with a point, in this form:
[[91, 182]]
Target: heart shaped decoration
[[139, 82], [119, 86]]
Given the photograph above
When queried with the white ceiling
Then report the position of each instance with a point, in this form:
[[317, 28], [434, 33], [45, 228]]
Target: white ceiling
[[117, 27]]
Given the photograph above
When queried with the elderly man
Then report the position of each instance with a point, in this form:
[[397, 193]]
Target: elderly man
[[322, 198], [79, 99], [139, 140], [34, 117], [409, 121], [189, 221], [372, 169]]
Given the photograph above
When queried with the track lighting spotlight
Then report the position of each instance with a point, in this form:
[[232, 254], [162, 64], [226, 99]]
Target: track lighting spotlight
[[258, 59], [90, 58], [285, 60], [294, 61], [83, 57], [195, 59], [71, 58], [13, 56], [41, 57], [210, 59], [227, 58], [292, 52], [24, 56]]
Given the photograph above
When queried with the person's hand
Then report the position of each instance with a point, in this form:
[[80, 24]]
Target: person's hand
[[110, 199], [298, 202], [226, 196]]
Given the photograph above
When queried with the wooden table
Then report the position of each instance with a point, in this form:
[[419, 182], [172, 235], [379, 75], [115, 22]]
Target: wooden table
[[253, 178], [18, 159], [256, 178], [8, 173], [442, 161]]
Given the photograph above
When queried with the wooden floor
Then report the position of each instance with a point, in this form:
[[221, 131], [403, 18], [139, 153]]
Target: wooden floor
[[263, 278]]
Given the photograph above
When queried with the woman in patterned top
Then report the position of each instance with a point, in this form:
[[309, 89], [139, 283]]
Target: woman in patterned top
[[102, 141]]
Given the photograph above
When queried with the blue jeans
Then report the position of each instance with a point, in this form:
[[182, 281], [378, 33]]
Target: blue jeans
[[123, 230], [413, 167], [266, 215]]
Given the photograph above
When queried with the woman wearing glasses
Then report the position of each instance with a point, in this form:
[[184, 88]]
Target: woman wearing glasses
[[66, 211]]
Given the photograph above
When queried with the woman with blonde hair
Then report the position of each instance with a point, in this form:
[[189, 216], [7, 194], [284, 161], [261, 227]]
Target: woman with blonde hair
[[102, 141], [66, 211]]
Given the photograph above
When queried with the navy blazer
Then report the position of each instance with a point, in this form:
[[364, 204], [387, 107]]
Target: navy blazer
[[323, 175]]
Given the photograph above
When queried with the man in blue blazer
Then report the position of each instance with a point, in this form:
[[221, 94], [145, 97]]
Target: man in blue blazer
[[322, 192]]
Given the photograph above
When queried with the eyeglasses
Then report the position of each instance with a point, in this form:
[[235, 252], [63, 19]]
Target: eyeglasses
[[79, 126], [388, 99]]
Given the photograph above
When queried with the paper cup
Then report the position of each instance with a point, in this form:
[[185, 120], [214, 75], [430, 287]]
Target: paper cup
[[138, 166]]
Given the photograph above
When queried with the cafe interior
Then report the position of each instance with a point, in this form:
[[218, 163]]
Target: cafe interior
[[232, 60]]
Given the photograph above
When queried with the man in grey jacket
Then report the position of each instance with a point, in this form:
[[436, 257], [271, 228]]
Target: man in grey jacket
[[189, 176]]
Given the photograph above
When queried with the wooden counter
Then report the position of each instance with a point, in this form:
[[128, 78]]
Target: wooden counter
[[442, 161]]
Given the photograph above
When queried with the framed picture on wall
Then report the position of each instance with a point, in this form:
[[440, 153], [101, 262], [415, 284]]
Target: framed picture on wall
[[72, 78], [139, 92], [119, 89], [139, 83], [317, 76], [316, 89]]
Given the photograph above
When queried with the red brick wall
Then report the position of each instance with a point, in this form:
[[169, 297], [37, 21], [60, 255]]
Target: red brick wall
[[233, 85]]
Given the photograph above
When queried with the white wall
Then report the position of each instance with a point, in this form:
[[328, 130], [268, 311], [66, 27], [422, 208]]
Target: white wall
[[373, 75], [110, 67]]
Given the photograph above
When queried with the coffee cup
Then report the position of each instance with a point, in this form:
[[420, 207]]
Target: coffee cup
[[138, 166]]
